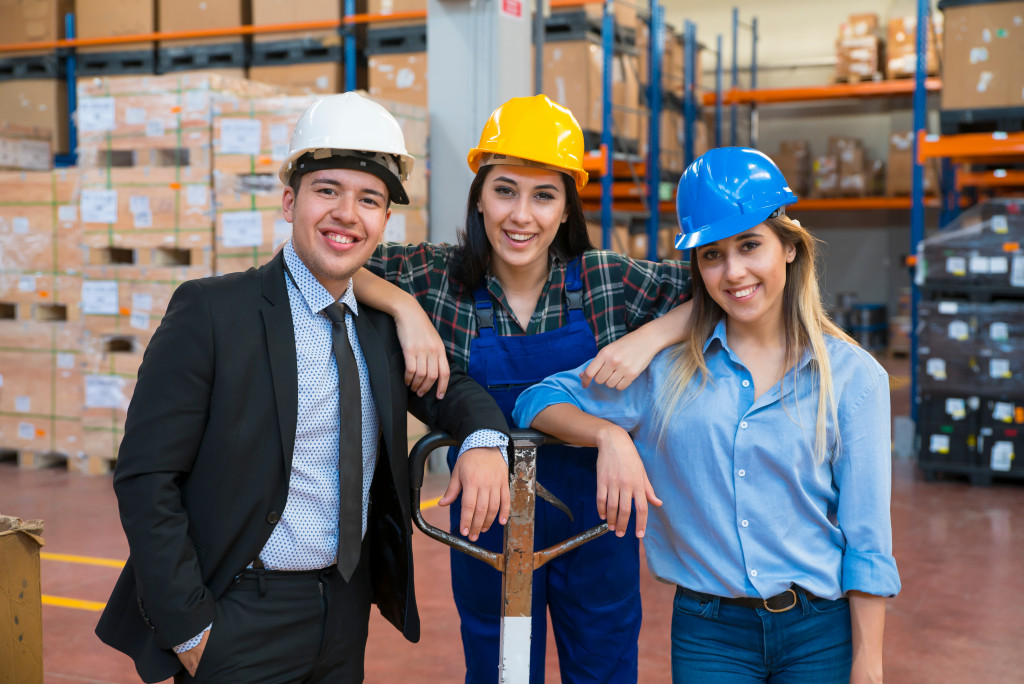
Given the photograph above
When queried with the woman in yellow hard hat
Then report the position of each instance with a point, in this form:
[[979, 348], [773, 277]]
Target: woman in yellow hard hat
[[524, 294]]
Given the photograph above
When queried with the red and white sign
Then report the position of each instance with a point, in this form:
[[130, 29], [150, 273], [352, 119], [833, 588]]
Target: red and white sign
[[512, 8]]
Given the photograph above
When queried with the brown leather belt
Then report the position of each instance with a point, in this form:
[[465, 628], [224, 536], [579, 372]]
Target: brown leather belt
[[779, 603]]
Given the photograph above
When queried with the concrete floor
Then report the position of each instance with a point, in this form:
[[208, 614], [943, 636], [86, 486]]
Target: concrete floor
[[959, 549]]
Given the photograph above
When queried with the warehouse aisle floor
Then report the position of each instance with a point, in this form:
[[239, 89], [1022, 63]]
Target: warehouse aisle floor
[[959, 548]]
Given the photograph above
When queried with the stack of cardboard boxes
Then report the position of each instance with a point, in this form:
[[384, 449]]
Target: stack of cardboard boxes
[[901, 46], [859, 49], [146, 208], [898, 179], [40, 327], [32, 94]]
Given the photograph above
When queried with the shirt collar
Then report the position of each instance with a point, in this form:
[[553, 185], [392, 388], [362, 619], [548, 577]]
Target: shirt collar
[[719, 335], [315, 295]]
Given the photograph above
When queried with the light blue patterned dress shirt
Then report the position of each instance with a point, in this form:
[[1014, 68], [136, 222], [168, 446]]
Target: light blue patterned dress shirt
[[306, 536], [747, 511]]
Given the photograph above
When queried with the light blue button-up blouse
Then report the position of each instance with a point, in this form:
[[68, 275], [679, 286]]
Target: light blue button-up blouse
[[747, 510]]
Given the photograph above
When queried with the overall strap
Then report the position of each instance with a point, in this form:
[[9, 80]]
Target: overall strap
[[484, 311], [574, 288]]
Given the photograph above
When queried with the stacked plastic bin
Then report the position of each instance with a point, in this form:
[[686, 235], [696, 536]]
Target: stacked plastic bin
[[971, 345]]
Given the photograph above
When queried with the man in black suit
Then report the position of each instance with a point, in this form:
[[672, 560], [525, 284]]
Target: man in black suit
[[258, 395]]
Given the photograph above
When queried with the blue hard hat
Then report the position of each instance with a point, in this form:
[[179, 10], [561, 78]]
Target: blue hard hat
[[726, 191]]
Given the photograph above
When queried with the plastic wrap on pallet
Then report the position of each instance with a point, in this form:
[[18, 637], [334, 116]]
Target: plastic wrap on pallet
[[971, 347], [981, 249]]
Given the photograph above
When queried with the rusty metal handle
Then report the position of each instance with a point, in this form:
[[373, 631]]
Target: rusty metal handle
[[417, 466]]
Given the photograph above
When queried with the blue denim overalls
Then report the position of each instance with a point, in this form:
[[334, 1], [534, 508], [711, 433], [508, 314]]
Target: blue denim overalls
[[593, 592]]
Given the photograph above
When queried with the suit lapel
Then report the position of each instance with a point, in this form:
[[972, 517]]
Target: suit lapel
[[280, 335], [377, 365]]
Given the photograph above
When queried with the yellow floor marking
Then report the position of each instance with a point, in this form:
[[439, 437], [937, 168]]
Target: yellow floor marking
[[96, 606], [82, 560], [78, 604]]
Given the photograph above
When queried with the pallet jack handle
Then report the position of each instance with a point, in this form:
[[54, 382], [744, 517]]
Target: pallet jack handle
[[519, 561]]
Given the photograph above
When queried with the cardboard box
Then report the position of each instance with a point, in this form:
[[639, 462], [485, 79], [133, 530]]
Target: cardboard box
[[192, 15], [109, 18], [620, 238], [401, 77], [794, 160], [982, 56], [825, 176], [901, 47], [26, 147], [898, 178], [858, 59], [287, 11], [860, 25], [300, 79], [573, 78], [37, 103], [32, 20], [21, 608]]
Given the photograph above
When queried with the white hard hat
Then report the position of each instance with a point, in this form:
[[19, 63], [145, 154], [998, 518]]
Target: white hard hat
[[350, 131]]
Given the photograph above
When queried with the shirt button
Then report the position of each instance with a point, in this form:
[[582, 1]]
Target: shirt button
[[743, 425], [753, 573], [273, 517], [745, 523], [742, 473], [746, 383]]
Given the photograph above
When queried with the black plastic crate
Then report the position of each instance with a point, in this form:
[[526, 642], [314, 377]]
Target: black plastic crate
[[1006, 119], [396, 39], [1001, 450], [41, 66], [578, 25], [946, 444], [302, 51], [191, 57], [131, 62]]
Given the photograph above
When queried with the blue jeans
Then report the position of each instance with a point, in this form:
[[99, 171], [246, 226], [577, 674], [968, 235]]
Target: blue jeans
[[726, 644]]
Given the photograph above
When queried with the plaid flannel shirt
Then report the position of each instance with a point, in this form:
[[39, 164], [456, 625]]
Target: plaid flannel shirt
[[620, 294]]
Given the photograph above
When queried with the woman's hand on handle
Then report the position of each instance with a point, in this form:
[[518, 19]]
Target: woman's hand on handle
[[621, 478], [622, 481]]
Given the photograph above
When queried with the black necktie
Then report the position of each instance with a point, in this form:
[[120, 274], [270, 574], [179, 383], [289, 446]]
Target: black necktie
[[350, 445]]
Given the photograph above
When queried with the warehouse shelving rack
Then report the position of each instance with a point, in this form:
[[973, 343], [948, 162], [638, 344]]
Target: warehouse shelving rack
[[633, 199]]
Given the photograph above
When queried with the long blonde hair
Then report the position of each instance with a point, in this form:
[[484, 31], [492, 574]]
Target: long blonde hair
[[805, 324]]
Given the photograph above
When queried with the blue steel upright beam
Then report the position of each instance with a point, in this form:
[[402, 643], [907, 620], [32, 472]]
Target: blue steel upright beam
[[917, 189], [689, 89], [607, 143], [718, 92], [654, 135], [350, 46], [735, 83], [70, 67], [755, 121]]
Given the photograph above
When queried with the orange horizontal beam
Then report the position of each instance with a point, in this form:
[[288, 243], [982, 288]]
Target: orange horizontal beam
[[1000, 178], [668, 208], [855, 203], [620, 189], [965, 147], [228, 32], [834, 91]]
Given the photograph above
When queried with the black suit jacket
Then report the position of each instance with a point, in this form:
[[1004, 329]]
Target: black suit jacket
[[202, 472]]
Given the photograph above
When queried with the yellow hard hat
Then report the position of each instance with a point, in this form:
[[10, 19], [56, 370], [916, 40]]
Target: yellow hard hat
[[532, 129]]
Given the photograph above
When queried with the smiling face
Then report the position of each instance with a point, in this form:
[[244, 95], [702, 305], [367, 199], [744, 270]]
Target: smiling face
[[522, 207], [338, 217], [746, 275]]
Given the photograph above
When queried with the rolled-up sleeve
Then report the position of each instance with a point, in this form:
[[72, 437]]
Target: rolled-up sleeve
[[624, 408], [863, 476]]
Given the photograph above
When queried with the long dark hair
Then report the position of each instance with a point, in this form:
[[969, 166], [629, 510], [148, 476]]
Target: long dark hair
[[473, 255]]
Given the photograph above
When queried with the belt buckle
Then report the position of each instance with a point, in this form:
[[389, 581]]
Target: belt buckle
[[781, 610]]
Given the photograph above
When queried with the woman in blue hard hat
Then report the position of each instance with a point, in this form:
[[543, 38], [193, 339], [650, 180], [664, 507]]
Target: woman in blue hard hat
[[524, 295], [767, 438]]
